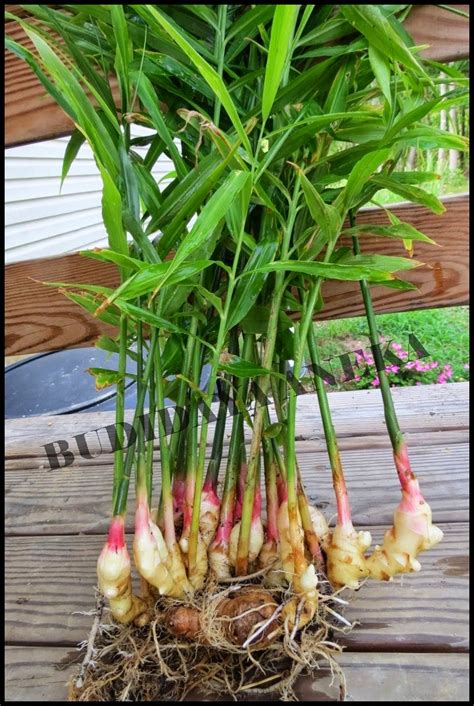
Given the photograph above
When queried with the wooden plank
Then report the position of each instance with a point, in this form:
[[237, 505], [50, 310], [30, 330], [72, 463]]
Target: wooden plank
[[442, 281], [49, 582], [40, 318], [446, 33], [421, 409], [31, 675], [70, 500], [31, 115]]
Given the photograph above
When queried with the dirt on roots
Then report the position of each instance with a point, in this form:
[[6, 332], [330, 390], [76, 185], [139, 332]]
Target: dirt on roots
[[228, 642]]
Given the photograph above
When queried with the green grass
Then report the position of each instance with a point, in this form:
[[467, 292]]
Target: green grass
[[443, 333]]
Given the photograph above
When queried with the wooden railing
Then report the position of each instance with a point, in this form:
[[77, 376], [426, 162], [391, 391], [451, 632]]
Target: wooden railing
[[39, 318], [31, 115]]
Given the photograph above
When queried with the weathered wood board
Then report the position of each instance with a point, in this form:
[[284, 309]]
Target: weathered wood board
[[32, 675], [411, 636], [49, 585]]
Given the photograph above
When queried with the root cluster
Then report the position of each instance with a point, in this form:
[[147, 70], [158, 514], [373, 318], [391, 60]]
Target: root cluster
[[230, 642]]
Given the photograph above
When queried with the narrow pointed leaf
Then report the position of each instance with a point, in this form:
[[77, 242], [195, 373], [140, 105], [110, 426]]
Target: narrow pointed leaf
[[281, 38], [209, 74]]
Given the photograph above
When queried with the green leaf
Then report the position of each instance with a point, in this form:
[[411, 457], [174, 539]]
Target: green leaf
[[369, 21], [181, 200], [105, 343], [382, 263], [134, 227], [119, 259], [86, 117], [149, 99], [428, 137], [256, 321], [281, 38], [361, 173], [401, 231], [73, 147], [90, 304], [394, 284], [148, 317], [248, 289], [326, 216], [105, 377], [212, 213], [241, 368], [124, 52], [112, 213], [273, 430], [152, 277], [326, 270], [209, 74], [381, 68], [172, 356], [131, 184], [411, 193], [413, 116], [337, 95]]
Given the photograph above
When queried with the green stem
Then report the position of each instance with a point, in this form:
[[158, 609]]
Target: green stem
[[342, 500], [396, 437], [150, 443], [217, 444], [120, 408], [166, 494], [120, 503], [193, 541], [182, 392], [264, 383]]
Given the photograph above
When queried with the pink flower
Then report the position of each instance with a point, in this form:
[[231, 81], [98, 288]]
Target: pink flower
[[396, 346], [375, 382], [411, 364], [434, 364], [442, 378], [357, 378], [418, 383], [466, 366]]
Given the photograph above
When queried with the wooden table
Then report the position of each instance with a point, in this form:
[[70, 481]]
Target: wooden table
[[412, 640]]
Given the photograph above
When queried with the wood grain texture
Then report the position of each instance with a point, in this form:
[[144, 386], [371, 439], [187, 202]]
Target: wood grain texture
[[443, 280], [357, 416], [40, 318], [446, 33], [49, 582], [30, 115], [32, 675], [71, 500]]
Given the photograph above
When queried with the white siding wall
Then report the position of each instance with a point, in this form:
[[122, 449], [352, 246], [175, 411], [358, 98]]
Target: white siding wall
[[40, 221]]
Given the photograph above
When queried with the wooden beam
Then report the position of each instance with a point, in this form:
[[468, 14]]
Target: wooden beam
[[446, 33], [31, 115], [39, 318], [443, 280]]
